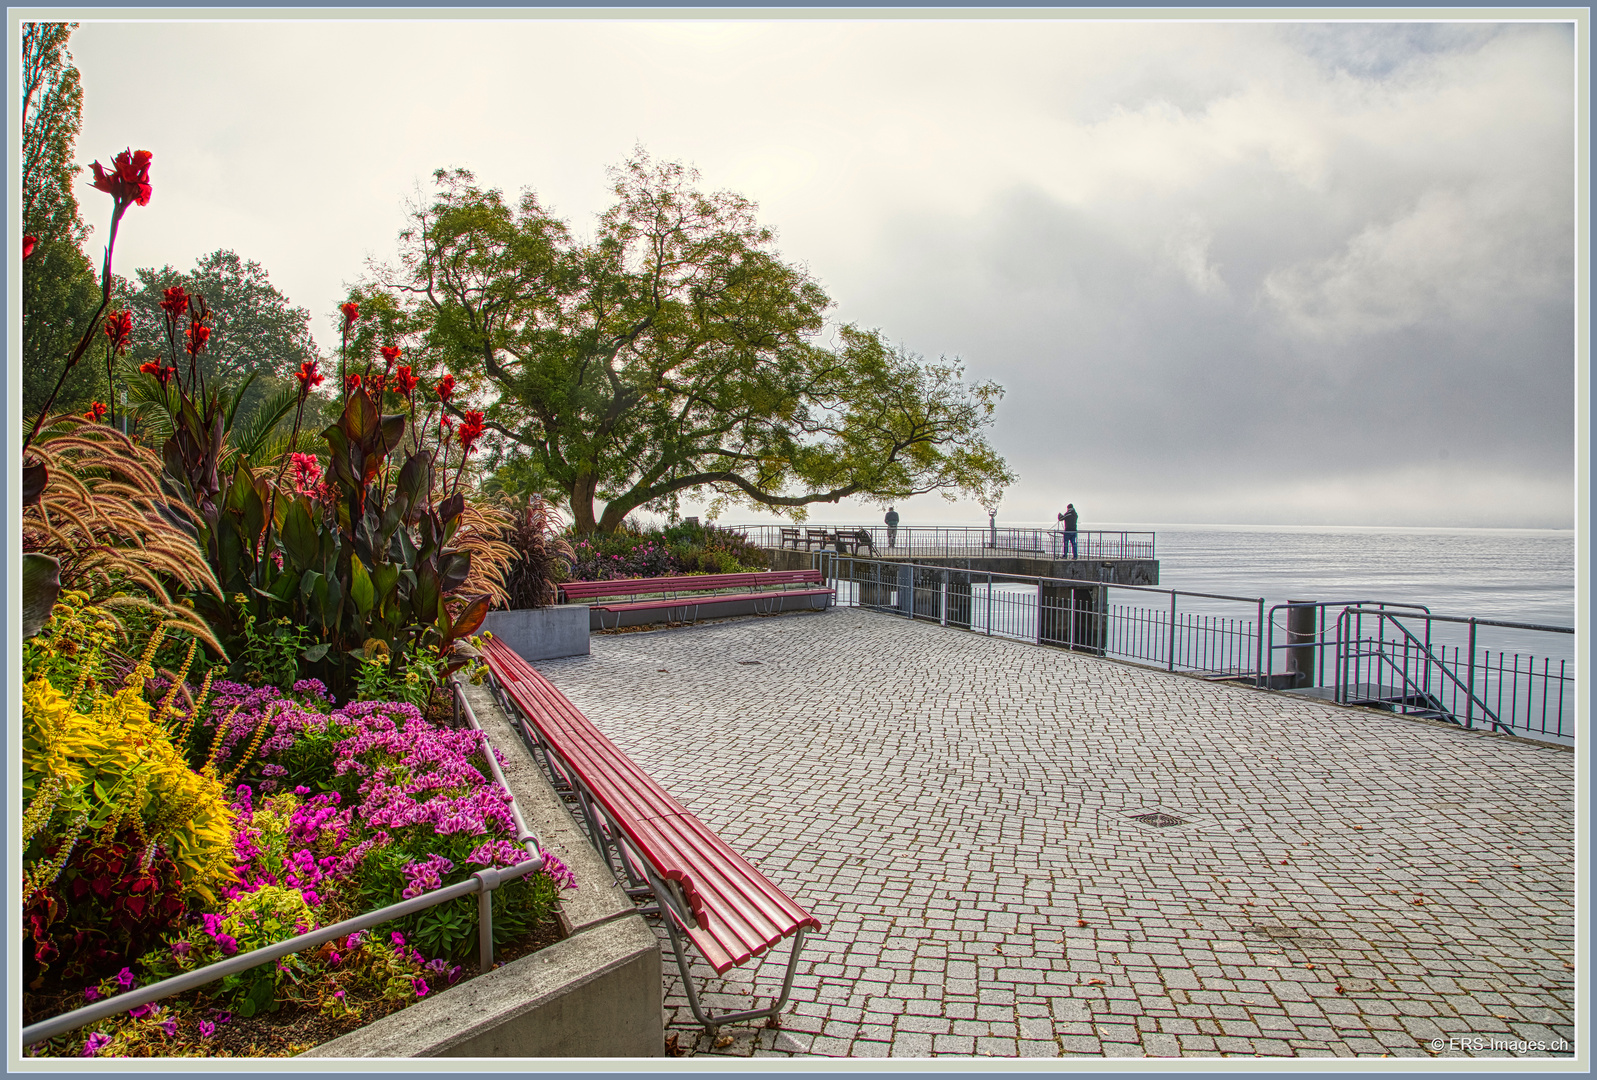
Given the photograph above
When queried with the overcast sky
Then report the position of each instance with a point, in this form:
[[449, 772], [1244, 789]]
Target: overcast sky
[[1241, 273]]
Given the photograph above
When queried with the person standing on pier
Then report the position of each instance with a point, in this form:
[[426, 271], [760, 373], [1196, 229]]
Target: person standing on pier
[[1069, 539], [892, 525]]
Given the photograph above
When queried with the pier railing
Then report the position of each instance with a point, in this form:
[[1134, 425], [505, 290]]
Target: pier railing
[[1395, 656], [1129, 622], [925, 541]]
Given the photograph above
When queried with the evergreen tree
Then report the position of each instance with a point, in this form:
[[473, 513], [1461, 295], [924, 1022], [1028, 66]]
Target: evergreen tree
[[60, 290]]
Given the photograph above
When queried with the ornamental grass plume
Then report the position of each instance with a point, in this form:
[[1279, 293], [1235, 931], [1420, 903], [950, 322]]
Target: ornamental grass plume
[[105, 519]]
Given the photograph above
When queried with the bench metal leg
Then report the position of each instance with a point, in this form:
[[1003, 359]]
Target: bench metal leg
[[712, 1022]]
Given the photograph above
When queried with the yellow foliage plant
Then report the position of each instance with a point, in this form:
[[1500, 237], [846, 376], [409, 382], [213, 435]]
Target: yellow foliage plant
[[98, 758]]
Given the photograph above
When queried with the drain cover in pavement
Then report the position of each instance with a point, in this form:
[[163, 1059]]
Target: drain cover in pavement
[[1157, 819]]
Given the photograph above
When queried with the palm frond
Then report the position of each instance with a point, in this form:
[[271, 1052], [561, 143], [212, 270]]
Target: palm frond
[[260, 428]]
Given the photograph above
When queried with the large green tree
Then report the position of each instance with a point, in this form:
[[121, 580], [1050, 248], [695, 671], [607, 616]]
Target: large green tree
[[257, 342], [255, 329], [60, 290], [676, 353]]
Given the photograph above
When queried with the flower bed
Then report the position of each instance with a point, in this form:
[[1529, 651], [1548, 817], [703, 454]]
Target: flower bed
[[164, 837], [681, 549]]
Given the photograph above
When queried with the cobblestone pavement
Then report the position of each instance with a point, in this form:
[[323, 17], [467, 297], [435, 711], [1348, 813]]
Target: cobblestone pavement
[[959, 812]]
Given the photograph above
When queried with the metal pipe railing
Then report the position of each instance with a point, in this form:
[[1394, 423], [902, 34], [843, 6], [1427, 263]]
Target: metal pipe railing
[[1188, 641], [482, 882], [930, 541]]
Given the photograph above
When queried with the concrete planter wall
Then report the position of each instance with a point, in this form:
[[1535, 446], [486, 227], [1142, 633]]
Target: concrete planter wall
[[544, 633], [597, 993]]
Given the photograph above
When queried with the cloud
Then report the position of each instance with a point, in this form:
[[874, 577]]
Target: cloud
[[1217, 265], [1454, 256]]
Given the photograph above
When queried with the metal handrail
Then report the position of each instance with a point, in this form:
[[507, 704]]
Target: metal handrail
[[1385, 616], [831, 564], [1319, 643], [930, 539], [482, 882]]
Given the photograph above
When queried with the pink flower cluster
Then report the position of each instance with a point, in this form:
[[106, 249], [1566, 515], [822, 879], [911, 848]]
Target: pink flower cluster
[[425, 875], [305, 477]]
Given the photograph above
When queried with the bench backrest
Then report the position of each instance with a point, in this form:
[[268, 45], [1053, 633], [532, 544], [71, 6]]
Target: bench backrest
[[589, 590], [583, 590], [740, 913]]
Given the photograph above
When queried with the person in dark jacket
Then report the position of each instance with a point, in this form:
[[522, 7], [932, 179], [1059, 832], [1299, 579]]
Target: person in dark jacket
[[892, 525], [1069, 539]]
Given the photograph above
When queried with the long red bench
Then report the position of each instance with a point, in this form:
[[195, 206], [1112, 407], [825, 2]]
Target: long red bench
[[703, 890], [770, 589]]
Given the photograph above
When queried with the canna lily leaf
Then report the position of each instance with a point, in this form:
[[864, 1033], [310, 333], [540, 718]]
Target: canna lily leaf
[[360, 586]]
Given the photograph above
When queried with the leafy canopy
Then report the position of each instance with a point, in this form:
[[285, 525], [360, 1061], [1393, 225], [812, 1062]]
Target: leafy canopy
[[674, 353]]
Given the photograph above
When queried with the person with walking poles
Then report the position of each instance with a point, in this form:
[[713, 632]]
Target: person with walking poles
[[1069, 538], [892, 525]]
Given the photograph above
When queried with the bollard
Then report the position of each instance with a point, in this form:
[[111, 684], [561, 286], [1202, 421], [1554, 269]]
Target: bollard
[[1300, 643]]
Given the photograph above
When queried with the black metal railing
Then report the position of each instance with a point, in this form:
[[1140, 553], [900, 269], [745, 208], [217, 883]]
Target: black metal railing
[[909, 542], [1147, 625], [1383, 661], [1395, 657]]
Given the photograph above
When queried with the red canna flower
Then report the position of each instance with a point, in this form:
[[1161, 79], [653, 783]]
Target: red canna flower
[[174, 302], [96, 412], [470, 429], [445, 387], [28, 243], [351, 383], [390, 354], [309, 377], [374, 384], [118, 327], [197, 335], [163, 375], [129, 180], [404, 382], [446, 428], [351, 312]]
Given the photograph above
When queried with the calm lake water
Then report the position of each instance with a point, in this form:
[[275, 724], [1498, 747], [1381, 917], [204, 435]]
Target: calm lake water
[[1512, 575]]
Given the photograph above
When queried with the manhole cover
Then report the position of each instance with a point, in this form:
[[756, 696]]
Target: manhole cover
[[1158, 820], [756, 663]]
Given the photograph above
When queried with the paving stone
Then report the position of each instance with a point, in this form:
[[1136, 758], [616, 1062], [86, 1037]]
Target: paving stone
[[952, 806]]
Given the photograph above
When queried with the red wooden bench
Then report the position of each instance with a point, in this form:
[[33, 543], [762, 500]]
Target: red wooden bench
[[768, 591], [702, 889]]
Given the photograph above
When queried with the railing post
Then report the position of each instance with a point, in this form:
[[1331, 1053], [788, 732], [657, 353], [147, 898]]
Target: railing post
[[1172, 657], [990, 604], [942, 603], [1469, 699], [1258, 664], [1039, 611], [485, 919]]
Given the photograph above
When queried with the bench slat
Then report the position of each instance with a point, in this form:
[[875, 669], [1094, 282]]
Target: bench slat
[[718, 598], [575, 590], [740, 912]]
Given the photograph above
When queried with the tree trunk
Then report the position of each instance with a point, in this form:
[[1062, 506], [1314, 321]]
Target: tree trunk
[[582, 520], [615, 512]]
